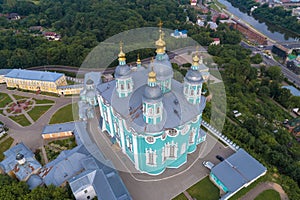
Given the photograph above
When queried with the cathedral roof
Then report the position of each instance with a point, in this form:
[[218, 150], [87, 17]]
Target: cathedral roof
[[177, 110], [194, 76]]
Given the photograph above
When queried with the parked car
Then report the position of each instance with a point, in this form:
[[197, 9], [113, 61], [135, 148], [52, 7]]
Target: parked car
[[208, 164], [220, 158]]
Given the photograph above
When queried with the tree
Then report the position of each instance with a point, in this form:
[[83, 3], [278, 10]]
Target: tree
[[256, 59], [274, 72]]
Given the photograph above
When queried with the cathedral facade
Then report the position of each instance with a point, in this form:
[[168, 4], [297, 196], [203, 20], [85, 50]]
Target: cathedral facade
[[154, 118]]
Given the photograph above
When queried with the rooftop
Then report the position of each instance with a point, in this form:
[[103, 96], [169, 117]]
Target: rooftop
[[4, 71], [238, 170], [177, 110], [56, 128], [10, 162], [34, 75]]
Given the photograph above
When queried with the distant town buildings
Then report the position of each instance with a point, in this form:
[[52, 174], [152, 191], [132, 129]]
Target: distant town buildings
[[193, 2], [216, 41], [179, 34], [52, 36]]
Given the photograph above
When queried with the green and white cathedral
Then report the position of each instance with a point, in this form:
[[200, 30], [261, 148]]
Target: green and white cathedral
[[154, 118]]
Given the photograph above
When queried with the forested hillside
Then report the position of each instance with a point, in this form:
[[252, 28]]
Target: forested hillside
[[82, 24]]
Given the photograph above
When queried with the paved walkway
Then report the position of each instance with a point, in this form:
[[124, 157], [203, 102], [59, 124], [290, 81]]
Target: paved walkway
[[31, 135], [187, 195], [262, 187]]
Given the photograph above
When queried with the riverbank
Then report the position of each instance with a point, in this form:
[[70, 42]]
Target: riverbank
[[266, 29], [267, 15]]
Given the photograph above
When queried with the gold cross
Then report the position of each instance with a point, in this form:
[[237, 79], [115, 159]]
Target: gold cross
[[160, 24], [121, 45]]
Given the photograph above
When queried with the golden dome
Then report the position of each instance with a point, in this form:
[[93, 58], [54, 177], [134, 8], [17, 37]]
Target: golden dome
[[152, 76], [196, 60], [160, 43], [121, 54], [138, 61]]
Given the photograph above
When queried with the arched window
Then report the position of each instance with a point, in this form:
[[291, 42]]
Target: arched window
[[157, 110], [128, 86], [192, 92]]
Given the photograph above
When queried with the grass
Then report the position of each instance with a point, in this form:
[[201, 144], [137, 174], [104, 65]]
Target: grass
[[4, 100], [65, 114], [205, 190], [17, 97], [20, 119], [244, 191], [43, 101], [180, 197], [268, 194], [38, 111], [4, 146]]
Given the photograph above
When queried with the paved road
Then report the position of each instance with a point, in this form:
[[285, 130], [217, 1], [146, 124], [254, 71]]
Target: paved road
[[271, 62], [31, 135], [262, 187]]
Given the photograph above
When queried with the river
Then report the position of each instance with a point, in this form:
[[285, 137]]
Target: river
[[262, 27]]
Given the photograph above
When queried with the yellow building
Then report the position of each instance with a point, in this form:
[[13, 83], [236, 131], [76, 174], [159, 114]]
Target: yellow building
[[35, 80], [3, 72], [70, 89]]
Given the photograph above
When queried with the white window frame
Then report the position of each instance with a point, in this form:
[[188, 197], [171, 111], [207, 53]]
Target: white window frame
[[151, 157]]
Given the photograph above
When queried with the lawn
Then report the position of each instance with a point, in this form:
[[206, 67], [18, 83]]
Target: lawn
[[180, 197], [4, 100], [204, 190], [38, 111], [65, 114], [20, 119], [268, 194], [4, 146], [43, 101], [17, 97]]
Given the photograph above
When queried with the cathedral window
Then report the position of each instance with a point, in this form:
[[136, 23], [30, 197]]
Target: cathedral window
[[185, 129], [186, 90], [128, 143], [150, 110], [192, 136], [183, 148], [172, 132], [122, 87], [157, 110], [151, 157], [150, 139], [169, 151], [192, 92]]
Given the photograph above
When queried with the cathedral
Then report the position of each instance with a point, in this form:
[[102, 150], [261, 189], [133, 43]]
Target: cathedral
[[152, 117]]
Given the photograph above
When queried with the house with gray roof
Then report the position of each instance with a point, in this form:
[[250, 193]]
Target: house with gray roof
[[236, 172], [86, 185], [20, 162]]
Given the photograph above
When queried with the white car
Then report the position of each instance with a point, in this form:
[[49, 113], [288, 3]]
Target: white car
[[208, 164]]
